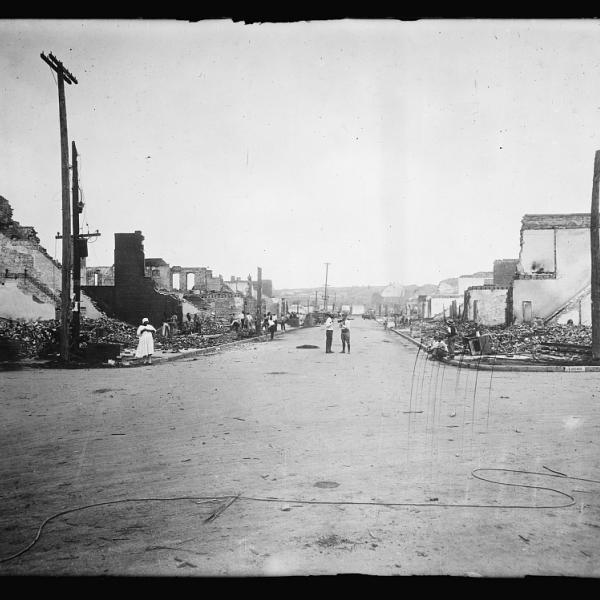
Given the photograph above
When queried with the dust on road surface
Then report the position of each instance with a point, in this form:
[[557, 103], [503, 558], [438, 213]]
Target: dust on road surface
[[269, 459]]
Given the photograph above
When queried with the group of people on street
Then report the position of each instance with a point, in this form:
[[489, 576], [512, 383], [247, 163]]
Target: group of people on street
[[244, 322], [170, 325], [271, 321], [344, 328]]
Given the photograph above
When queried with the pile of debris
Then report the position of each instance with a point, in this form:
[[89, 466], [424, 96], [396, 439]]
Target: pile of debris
[[186, 341], [107, 331], [40, 339], [535, 339], [29, 339]]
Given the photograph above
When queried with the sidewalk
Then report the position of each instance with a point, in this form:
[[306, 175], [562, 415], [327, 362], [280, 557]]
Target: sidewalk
[[502, 362]]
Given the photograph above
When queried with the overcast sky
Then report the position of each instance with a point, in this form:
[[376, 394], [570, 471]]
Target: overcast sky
[[397, 151]]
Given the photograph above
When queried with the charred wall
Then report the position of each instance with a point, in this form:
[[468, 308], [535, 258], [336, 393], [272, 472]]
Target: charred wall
[[133, 296]]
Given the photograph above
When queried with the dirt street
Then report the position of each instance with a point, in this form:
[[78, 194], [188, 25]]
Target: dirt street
[[350, 463]]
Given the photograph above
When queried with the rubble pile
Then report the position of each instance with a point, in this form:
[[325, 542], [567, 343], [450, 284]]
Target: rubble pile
[[33, 338], [107, 330], [536, 339], [186, 341], [40, 339]]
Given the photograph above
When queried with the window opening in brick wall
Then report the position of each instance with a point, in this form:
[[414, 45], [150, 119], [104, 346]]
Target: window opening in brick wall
[[527, 311]]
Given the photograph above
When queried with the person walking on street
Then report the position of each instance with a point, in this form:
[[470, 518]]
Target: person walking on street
[[272, 323], [328, 334], [145, 348], [345, 328]]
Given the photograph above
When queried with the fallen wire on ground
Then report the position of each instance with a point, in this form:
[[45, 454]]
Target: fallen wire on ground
[[228, 501]]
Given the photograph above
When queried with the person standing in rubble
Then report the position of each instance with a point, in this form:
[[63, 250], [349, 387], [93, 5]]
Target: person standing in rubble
[[165, 329], [174, 325], [451, 334], [145, 348]]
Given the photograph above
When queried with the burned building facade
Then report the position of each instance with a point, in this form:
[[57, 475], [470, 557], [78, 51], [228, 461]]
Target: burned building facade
[[553, 279], [132, 295]]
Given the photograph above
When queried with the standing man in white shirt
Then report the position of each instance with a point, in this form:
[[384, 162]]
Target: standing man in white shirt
[[345, 328], [328, 334]]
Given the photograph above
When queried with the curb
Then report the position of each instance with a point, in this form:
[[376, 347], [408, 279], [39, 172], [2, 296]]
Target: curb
[[486, 367]]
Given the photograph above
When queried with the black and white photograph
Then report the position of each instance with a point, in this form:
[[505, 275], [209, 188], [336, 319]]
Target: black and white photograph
[[282, 299]]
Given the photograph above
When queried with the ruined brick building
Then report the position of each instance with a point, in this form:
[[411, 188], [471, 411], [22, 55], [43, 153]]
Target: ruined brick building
[[486, 303], [550, 281], [30, 279], [128, 293], [553, 279], [135, 284]]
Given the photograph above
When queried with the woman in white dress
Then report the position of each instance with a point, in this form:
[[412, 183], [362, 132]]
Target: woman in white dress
[[145, 347]]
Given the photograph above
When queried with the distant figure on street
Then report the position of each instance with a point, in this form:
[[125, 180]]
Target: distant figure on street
[[272, 325], [345, 329], [328, 334], [145, 347], [283, 321], [451, 334]]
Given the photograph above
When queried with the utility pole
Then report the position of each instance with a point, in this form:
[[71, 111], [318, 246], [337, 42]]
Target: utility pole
[[326, 273], [259, 300], [79, 251], [65, 293], [595, 250], [76, 254]]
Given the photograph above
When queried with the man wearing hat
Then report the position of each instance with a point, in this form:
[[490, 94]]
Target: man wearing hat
[[328, 334], [451, 334]]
